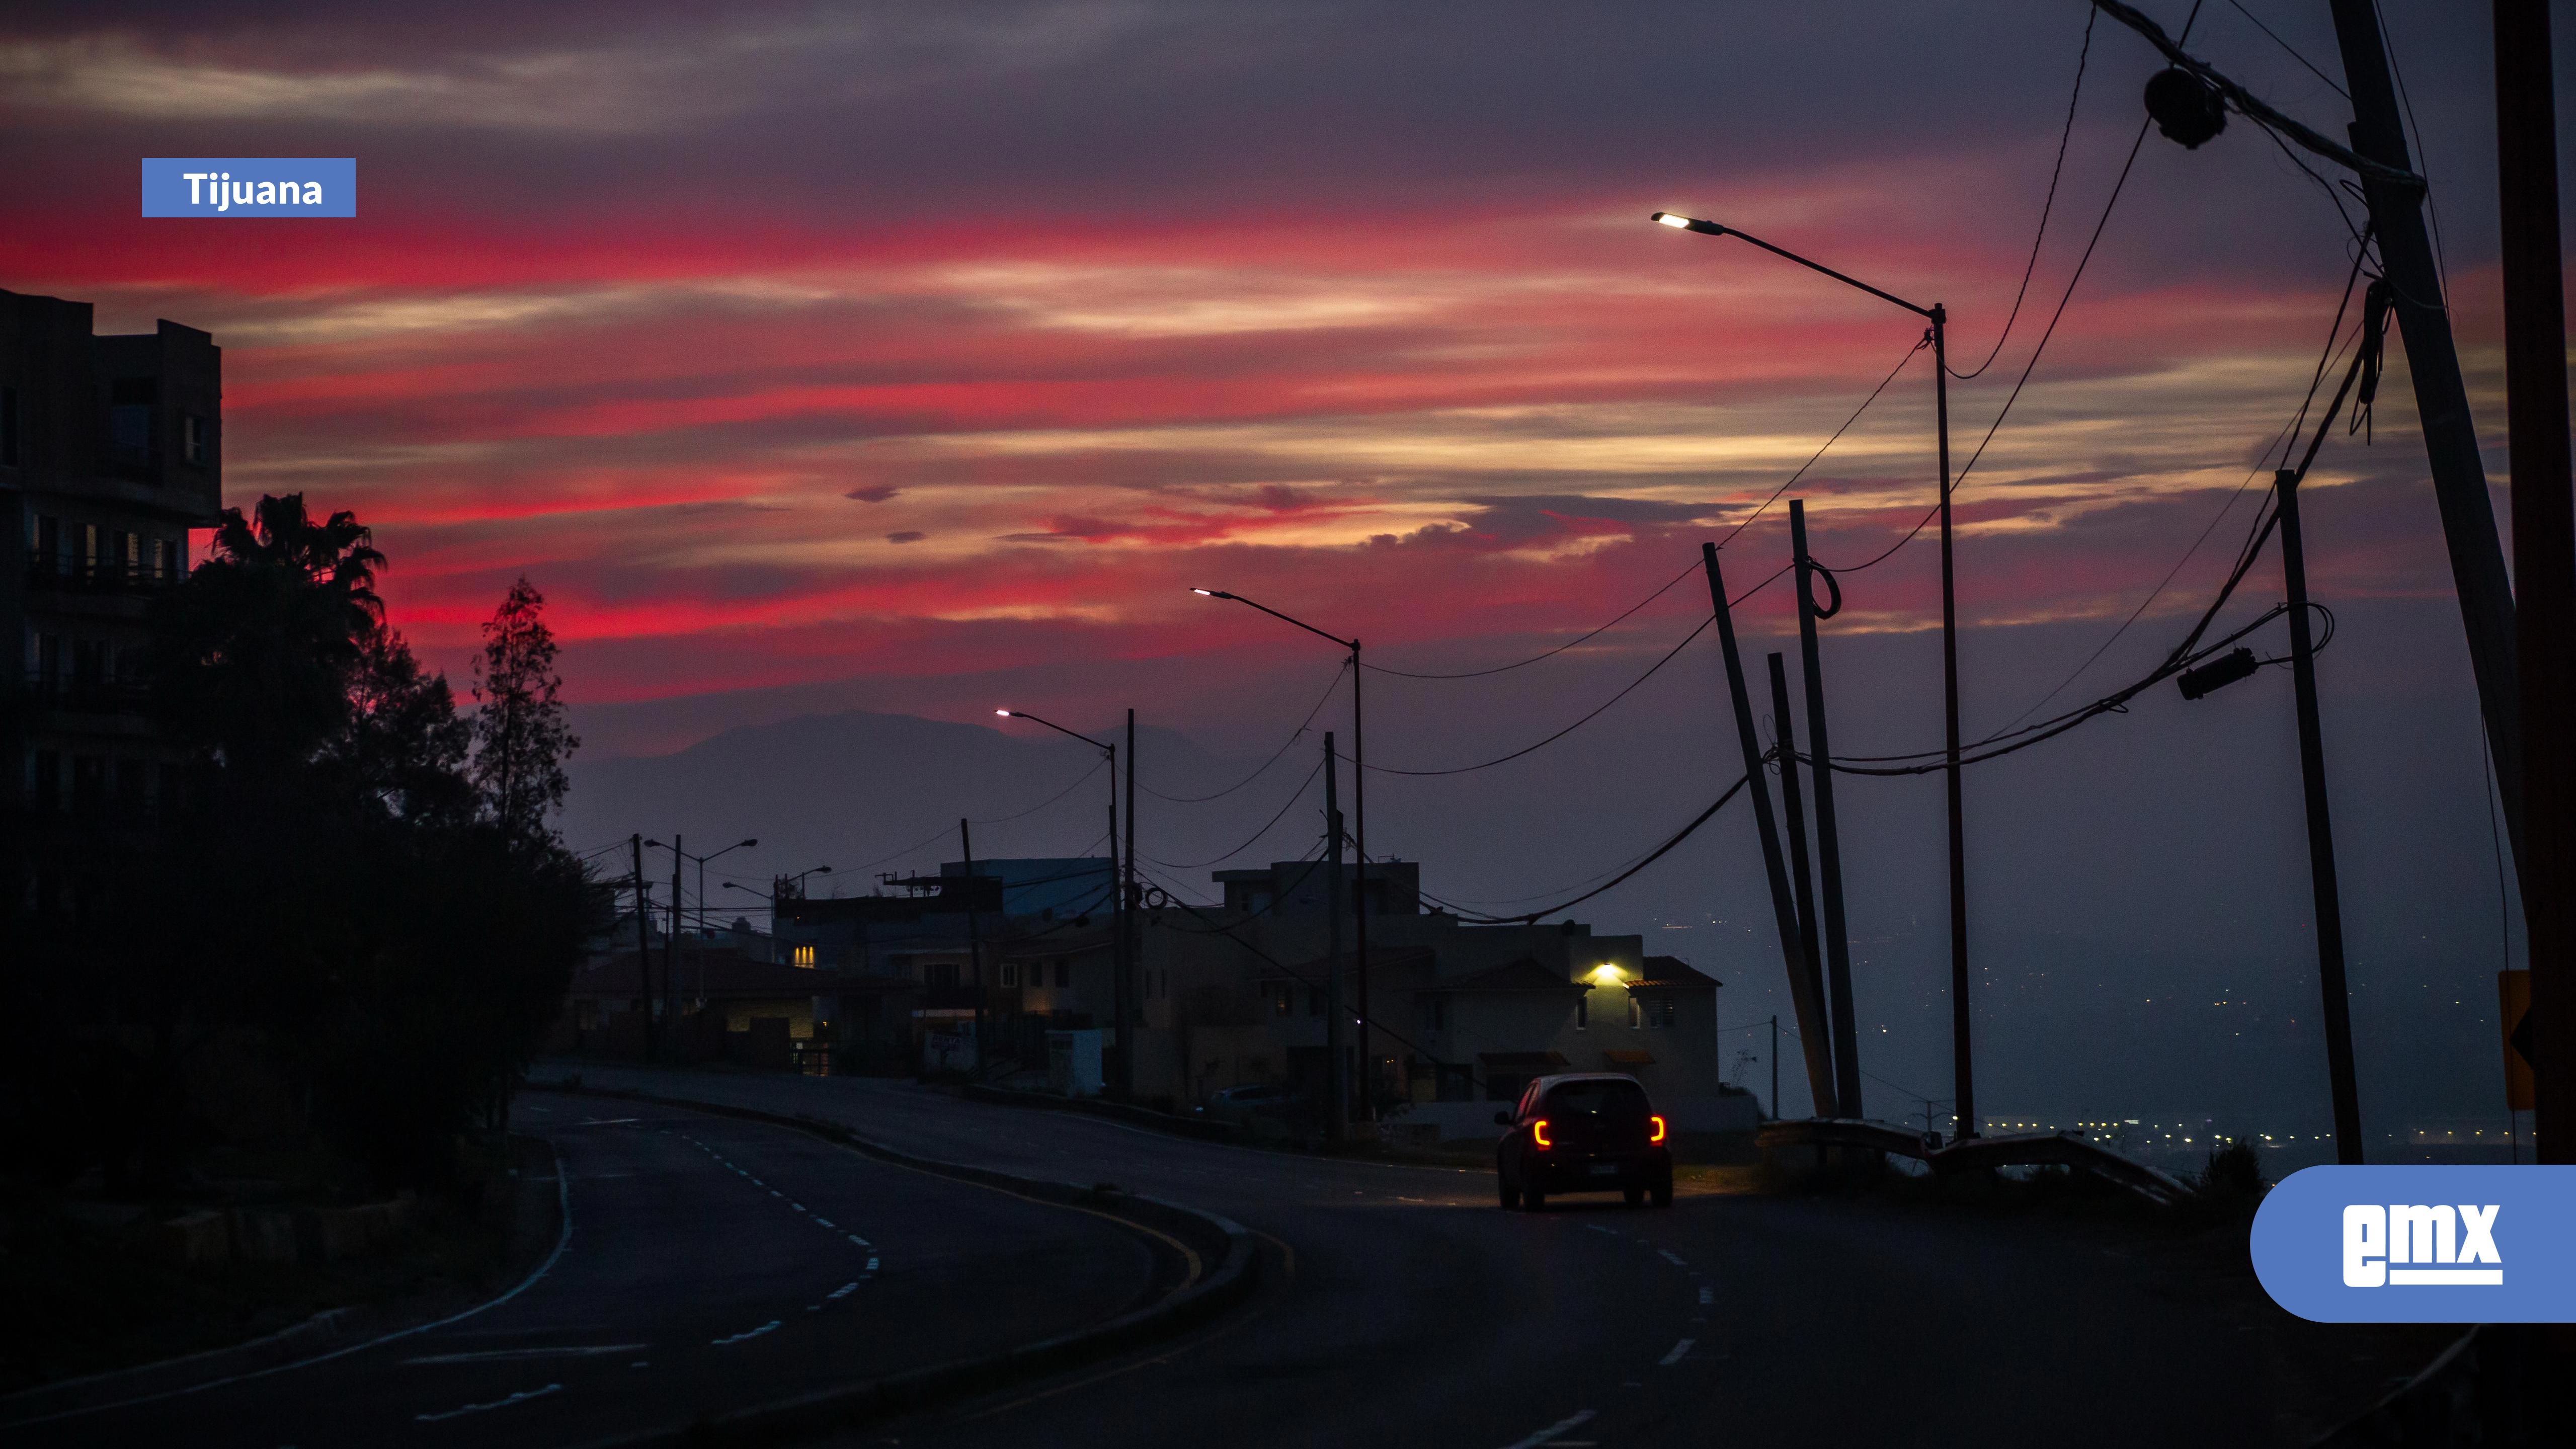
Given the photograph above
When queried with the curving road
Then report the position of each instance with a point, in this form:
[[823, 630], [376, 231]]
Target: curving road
[[711, 1264], [1402, 1307]]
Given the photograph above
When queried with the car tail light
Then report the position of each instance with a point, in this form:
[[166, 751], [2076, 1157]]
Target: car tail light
[[1538, 1133], [1659, 1129]]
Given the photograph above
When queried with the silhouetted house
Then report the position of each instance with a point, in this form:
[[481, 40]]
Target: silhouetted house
[[110, 452], [1466, 1014]]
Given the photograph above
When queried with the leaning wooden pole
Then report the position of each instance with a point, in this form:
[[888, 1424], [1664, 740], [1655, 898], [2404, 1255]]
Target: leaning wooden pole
[[1814, 1035]]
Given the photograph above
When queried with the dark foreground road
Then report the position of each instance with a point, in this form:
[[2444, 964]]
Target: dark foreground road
[[712, 1263], [1404, 1308]]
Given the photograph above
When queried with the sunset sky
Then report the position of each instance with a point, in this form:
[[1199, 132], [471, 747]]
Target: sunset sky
[[919, 357]]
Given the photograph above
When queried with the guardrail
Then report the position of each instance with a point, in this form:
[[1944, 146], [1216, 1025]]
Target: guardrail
[[1978, 1153]]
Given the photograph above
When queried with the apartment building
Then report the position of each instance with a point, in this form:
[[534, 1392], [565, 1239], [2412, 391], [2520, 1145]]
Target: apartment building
[[110, 453]]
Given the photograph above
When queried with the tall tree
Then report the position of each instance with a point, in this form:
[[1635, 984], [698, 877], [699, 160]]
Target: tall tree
[[256, 647], [520, 735]]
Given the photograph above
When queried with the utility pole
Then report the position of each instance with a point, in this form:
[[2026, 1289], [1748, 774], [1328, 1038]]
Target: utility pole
[[2321, 861], [671, 947], [1336, 1072], [1775, 1064], [1121, 1064], [974, 939], [1962, 1062], [2450, 437], [1829, 855], [2544, 551], [1794, 808], [1129, 937], [1806, 998], [1359, 880], [643, 946]]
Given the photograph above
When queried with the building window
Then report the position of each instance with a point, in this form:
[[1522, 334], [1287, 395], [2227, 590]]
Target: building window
[[1314, 1001], [1660, 1013], [1283, 999], [1636, 1013], [170, 560], [1432, 1013], [195, 443], [47, 783], [1010, 973], [1063, 971], [1583, 1012], [803, 954]]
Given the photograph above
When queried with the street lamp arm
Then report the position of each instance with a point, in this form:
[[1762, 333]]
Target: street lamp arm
[[1711, 228], [1283, 618], [2253, 105], [1110, 750]]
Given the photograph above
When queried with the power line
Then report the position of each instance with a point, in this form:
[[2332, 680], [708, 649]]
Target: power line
[[2046, 205], [2290, 429], [1747, 522], [1559, 649], [2294, 50], [1598, 710], [1294, 796], [1658, 853], [1300, 734]]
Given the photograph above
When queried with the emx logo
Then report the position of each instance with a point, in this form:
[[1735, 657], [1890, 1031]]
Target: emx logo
[[2329, 1241], [2376, 1239]]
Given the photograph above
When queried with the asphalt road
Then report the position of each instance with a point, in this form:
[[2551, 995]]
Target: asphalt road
[[712, 1263], [1403, 1307]]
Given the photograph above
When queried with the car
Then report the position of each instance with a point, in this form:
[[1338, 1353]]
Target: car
[[1584, 1132], [1240, 1103]]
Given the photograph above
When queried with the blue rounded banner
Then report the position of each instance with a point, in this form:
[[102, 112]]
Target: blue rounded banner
[[2421, 1244]]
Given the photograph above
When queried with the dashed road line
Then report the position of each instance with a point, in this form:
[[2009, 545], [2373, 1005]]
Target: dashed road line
[[1680, 1351], [770, 1327], [1575, 1421], [1707, 1296], [521, 1397], [1676, 1259]]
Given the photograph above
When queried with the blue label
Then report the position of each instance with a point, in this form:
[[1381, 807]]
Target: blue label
[[2484, 1244], [230, 186]]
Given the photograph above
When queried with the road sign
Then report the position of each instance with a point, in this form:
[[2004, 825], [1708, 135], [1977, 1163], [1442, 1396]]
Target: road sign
[[2513, 994]]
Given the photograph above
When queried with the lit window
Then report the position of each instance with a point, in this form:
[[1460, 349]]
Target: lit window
[[804, 955]]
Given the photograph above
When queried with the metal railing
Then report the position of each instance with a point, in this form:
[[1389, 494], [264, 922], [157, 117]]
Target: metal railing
[[98, 575], [1976, 1153]]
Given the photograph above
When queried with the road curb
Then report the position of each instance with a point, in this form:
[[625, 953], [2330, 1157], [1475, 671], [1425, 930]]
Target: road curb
[[1220, 1240]]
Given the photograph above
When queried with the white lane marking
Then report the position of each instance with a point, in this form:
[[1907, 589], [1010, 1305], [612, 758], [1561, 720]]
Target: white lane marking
[[872, 1265], [773, 1192], [855, 1238], [607, 1121], [1680, 1351], [800, 1207], [563, 1239], [1676, 1259], [821, 1222], [520, 1397], [770, 1327], [1707, 1296], [1551, 1431], [495, 1355], [843, 1291], [1596, 1227]]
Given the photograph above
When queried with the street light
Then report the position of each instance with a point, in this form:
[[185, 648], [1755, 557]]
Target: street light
[[1939, 317], [1359, 834], [679, 855], [1121, 989]]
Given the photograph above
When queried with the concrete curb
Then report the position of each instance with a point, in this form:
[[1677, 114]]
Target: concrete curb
[[1220, 1241], [1173, 1123]]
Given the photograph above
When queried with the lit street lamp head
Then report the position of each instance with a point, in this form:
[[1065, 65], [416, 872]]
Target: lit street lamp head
[[1004, 713], [1212, 593], [1689, 223]]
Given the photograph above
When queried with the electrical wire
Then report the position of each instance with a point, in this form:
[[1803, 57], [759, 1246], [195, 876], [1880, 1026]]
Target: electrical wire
[[1747, 520], [2294, 50], [1658, 853], [2046, 206], [1294, 796], [1265, 765], [1598, 710], [2041, 350], [1096, 767], [2288, 431], [1559, 649]]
